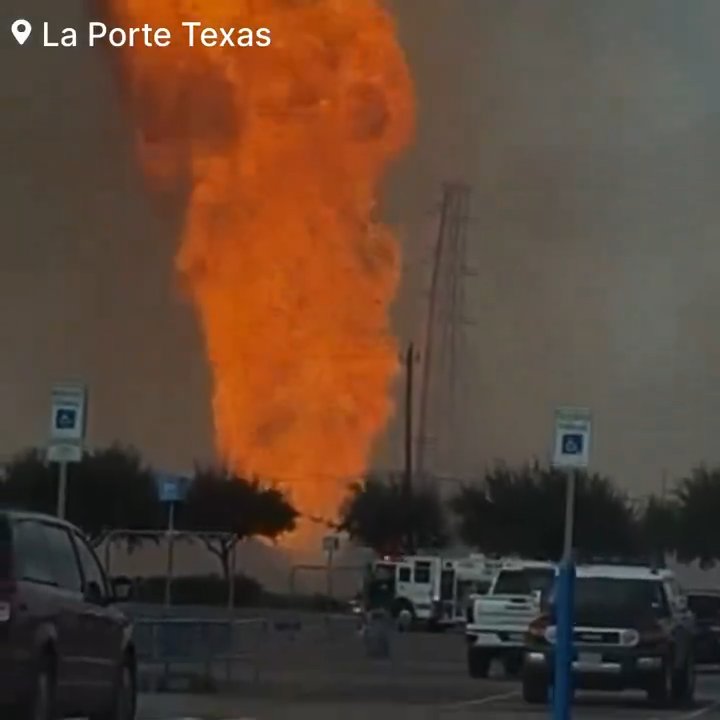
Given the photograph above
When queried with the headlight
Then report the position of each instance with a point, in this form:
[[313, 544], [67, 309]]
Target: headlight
[[629, 638]]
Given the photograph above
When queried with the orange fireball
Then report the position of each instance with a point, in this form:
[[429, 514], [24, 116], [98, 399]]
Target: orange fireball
[[281, 151]]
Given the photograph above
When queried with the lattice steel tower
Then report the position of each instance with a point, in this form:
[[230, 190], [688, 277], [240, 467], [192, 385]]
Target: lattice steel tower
[[439, 431]]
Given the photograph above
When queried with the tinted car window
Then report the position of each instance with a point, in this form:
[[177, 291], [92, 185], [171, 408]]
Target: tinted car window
[[31, 553], [404, 574], [92, 572], [705, 606], [64, 560], [630, 594], [523, 582]]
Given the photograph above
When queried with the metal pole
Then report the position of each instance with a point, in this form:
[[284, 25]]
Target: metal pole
[[62, 489], [329, 571], [564, 606], [170, 557], [569, 516], [408, 476], [231, 589]]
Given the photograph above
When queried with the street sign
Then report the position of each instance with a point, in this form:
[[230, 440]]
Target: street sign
[[331, 543], [67, 417], [65, 453], [172, 488], [572, 438]]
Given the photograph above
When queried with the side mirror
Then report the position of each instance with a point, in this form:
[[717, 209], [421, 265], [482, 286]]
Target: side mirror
[[682, 603], [122, 589]]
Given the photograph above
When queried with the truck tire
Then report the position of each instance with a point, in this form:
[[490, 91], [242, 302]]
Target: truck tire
[[535, 689], [402, 612], [478, 663], [660, 686], [683, 684]]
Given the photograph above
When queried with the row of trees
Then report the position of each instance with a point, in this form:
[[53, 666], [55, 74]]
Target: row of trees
[[112, 490], [522, 511], [510, 510]]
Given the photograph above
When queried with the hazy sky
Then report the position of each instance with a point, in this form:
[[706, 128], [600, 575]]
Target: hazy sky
[[589, 132]]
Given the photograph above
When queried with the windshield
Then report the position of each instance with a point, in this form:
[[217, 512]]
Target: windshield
[[635, 594], [523, 582], [617, 596]]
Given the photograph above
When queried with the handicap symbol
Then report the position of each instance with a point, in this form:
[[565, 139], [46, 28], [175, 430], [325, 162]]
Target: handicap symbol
[[65, 419], [572, 444]]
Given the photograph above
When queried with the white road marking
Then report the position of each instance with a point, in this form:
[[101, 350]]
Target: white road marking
[[694, 713], [480, 701]]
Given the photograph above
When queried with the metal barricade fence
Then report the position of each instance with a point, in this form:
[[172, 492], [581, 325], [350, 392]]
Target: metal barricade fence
[[194, 648]]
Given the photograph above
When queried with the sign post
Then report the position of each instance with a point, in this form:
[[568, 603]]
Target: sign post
[[172, 489], [331, 544], [67, 433], [572, 452]]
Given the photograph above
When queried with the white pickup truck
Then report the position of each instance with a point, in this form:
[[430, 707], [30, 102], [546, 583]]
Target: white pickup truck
[[497, 622]]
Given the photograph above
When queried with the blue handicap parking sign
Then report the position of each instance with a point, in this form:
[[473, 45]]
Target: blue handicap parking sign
[[572, 443], [172, 488], [65, 418]]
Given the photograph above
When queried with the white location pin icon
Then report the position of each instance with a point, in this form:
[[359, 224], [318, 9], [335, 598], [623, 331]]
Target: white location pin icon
[[21, 29]]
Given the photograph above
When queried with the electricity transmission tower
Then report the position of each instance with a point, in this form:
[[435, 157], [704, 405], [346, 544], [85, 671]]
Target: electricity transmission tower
[[439, 423]]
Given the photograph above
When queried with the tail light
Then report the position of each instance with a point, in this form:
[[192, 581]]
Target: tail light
[[537, 629]]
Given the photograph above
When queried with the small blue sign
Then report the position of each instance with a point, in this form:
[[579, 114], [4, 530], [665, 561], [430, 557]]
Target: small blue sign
[[172, 488], [573, 443], [65, 418]]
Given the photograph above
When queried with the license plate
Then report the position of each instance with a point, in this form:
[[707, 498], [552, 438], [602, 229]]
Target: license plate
[[590, 658], [485, 639]]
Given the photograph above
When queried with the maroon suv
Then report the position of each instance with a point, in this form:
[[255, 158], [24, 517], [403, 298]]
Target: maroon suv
[[65, 649]]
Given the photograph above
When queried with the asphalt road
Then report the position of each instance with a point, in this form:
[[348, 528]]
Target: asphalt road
[[321, 672], [491, 703]]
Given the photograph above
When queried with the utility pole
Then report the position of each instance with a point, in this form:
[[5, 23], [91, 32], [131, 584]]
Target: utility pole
[[408, 474]]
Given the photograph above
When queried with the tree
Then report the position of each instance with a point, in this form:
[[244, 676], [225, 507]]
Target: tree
[[112, 489], [30, 483], [375, 508], [522, 511], [109, 489], [698, 510], [659, 526], [235, 509]]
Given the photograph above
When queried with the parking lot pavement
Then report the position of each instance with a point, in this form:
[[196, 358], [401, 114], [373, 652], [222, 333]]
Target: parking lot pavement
[[492, 701], [323, 673]]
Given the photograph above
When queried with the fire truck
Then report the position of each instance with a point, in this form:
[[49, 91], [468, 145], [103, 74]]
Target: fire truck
[[432, 591]]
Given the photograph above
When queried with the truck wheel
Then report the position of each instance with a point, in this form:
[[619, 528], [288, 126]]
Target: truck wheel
[[534, 689], [403, 613], [683, 684], [478, 663], [660, 687]]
